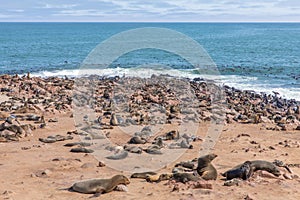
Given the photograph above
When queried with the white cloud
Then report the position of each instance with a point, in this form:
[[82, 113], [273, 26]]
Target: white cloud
[[62, 6], [16, 10], [4, 16], [78, 13], [155, 10]]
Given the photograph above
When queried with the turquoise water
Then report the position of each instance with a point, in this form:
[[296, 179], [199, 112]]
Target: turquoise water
[[260, 56]]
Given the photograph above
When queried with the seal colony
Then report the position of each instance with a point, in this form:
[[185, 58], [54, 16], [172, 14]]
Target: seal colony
[[30, 99], [32, 104]]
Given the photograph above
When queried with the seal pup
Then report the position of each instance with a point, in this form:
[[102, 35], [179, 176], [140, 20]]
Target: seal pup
[[205, 169], [244, 172], [99, 186]]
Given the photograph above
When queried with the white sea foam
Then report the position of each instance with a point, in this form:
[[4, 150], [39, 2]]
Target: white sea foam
[[236, 81]]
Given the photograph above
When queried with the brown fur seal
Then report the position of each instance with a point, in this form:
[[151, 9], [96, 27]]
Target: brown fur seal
[[118, 156], [114, 120], [157, 178], [266, 166], [137, 140], [81, 150], [205, 169], [185, 177], [172, 135], [244, 172], [99, 185], [187, 164], [142, 175], [260, 165]]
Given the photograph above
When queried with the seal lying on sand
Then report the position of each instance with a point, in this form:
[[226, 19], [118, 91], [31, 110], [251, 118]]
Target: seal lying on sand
[[244, 172], [118, 156], [142, 175], [99, 185], [259, 165], [205, 169], [157, 178], [185, 177], [137, 140]]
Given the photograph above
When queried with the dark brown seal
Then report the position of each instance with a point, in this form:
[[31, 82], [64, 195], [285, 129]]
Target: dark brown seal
[[244, 172], [260, 165]]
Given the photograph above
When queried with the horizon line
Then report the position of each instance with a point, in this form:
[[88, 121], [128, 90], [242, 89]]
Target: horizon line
[[149, 21]]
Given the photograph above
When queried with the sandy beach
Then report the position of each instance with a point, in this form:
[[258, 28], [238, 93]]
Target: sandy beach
[[250, 126]]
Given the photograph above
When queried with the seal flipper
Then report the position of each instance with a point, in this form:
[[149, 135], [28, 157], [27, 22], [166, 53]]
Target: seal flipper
[[97, 194]]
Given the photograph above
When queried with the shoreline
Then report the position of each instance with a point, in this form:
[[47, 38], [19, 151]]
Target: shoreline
[[239, 81]]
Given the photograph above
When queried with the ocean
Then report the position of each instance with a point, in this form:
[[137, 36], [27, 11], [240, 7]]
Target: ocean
[[264, 57]]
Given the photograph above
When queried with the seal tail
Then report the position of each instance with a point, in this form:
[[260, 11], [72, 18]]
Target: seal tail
[[70, 189]]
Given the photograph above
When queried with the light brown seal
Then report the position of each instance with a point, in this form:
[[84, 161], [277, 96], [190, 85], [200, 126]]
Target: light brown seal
[[205, 169], [99, 186]]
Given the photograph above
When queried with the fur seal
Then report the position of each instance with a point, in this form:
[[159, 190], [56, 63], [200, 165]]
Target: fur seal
[[205, 169], [118, 156], [56, 138], [81, 150], [266, 166], [244, 172], [157, 178], [137, 140], [133, 149], [142, 175], [187, 164], [83, 144], [114, 120], [185, 177], [154, 149], [99, 185], [260, 165], [172, 135], [159, 142]]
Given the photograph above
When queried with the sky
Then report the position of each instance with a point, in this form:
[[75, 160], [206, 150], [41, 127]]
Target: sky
[[149, 10]]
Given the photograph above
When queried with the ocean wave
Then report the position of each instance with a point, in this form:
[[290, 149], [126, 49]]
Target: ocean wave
[[236, 81]]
